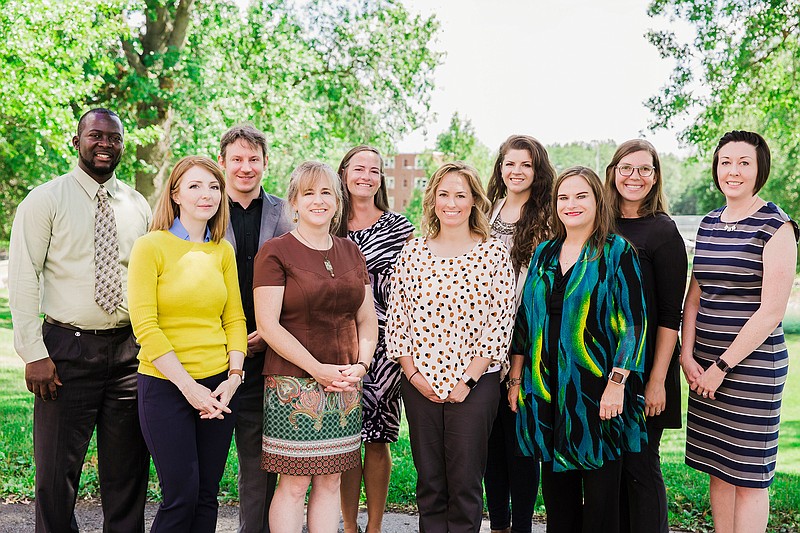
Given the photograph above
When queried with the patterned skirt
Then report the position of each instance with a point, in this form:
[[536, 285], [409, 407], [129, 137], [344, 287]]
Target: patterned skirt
[[308, 431]]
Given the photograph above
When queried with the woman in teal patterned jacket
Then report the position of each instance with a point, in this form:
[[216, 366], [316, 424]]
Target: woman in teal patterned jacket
[[579, 345]]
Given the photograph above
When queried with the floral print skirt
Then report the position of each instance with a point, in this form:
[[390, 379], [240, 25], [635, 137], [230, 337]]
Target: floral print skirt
[[308, 431]]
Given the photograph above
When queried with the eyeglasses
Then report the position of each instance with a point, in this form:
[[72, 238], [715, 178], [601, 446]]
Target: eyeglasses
[[627, 170]]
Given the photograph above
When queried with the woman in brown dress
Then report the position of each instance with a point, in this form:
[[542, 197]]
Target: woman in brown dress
[[314, 308]]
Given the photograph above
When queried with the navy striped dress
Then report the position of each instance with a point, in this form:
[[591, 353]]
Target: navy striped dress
[[735, 436]]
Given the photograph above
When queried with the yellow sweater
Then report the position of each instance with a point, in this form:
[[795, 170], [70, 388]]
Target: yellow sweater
[[184, 296]]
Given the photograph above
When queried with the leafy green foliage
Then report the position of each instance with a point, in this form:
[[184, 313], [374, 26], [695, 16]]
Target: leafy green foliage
[[739, 72], [316, 76]]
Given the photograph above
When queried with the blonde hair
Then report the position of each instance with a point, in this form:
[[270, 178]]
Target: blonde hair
[[478, 221], [305, 176], [167, 210]]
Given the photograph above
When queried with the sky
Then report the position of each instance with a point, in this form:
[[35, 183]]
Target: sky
[[560, 70]]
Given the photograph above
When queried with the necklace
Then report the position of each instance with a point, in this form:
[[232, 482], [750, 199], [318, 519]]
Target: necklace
[[325, 260], [732, 227]]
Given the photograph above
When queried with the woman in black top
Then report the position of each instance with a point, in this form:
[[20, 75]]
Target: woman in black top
[[633, 184]]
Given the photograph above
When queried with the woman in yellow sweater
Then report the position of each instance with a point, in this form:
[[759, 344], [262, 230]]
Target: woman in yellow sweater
[[187, 315]]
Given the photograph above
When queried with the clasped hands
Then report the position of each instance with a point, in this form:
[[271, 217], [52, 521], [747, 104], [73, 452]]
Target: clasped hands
[[703, 382], [211, 404], [339, 378]]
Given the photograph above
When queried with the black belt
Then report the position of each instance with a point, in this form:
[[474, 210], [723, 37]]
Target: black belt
[[112, 331]]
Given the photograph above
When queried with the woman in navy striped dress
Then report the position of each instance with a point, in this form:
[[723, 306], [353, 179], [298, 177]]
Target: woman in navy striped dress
[[733, 351]]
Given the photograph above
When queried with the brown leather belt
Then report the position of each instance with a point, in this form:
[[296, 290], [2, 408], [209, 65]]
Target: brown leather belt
[[112, 331]]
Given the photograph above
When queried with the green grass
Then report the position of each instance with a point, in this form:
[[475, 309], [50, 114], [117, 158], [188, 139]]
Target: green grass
[[687, 489]]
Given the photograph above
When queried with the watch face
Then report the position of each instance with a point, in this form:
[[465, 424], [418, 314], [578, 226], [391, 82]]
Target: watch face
[[617, 377]]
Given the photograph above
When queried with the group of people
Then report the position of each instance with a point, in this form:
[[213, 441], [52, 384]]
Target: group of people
[[531, 328]]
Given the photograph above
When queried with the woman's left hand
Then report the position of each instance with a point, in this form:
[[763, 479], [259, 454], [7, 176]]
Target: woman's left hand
[[655, 397], [709, 381], [611, 401], [458, 394], [223, 393], [351, 376]]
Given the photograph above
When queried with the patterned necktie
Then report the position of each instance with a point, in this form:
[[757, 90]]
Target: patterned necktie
[[107, 278]]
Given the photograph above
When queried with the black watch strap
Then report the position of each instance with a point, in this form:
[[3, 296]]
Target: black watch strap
[[470, 382], [722, 365]]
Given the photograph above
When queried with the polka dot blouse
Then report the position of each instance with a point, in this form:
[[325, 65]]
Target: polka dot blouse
[[443, 311]]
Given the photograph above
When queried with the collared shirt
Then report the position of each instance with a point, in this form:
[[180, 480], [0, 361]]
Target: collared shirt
[[180, 231], [51, 259], [246, 224]]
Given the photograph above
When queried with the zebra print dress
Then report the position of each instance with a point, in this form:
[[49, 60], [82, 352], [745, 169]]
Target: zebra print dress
[[735, 436], [381, 244]]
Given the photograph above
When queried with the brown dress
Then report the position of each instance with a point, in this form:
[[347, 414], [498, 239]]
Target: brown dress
[[308, 431]]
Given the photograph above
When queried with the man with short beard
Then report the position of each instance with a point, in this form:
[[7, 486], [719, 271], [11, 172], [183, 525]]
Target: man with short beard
[[70, 243], [256, 216]]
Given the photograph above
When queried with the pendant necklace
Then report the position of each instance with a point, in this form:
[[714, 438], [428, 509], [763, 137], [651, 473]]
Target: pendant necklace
[[325, 260], [732, 227]]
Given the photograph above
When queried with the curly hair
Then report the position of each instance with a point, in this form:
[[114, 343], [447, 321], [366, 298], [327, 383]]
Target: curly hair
[[533, 226]]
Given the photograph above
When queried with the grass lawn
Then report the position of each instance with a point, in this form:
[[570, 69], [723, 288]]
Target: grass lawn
[[687, 489]]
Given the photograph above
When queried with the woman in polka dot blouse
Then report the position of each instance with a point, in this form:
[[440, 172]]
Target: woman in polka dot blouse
[[450, 319]]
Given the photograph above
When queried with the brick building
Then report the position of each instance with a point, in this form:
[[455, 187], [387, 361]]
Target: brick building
[[404, 173]]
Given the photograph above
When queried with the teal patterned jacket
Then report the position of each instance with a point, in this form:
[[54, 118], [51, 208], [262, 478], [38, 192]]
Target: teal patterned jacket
[[603, 326]]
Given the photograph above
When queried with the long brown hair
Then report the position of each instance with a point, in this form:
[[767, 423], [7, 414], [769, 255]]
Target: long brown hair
[[654, 202], [478, 221], [167, 210], [604, 217], [381, 198], [533, 226]]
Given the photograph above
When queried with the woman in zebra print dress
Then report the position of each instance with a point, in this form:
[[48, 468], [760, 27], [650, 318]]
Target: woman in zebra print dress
[[733, 354], [380, 235]]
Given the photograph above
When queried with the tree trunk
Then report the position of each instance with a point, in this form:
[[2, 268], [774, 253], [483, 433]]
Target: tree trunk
[[150, 180]]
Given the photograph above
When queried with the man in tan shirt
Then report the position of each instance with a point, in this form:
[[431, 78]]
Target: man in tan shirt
[[80, 364]]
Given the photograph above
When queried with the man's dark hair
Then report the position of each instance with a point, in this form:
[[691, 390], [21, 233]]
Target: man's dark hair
[[96, 111], [247, 133]]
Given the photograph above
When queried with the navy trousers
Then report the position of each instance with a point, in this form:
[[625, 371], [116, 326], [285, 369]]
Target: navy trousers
[[189, 454]]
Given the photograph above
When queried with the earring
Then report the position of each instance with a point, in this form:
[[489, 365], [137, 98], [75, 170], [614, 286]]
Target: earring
[[295, 217]]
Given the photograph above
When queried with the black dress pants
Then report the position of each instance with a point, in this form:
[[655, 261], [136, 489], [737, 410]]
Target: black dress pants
[[256, 486], [449, 443], [98, 373], [582, 501], [643, 498], [509, 475]]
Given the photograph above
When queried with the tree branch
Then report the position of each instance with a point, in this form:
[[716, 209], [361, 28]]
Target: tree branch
[[177, 37], [134, 60]]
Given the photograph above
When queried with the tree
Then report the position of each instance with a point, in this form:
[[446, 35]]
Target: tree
[[317, 77], [739, 72], [43, 85], [459, 143], [594, 155]]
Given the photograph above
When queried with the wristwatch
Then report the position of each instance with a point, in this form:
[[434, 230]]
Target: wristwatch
[[236, 372], [513, 382], [617, 377], [468, 380], [722, 365]]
